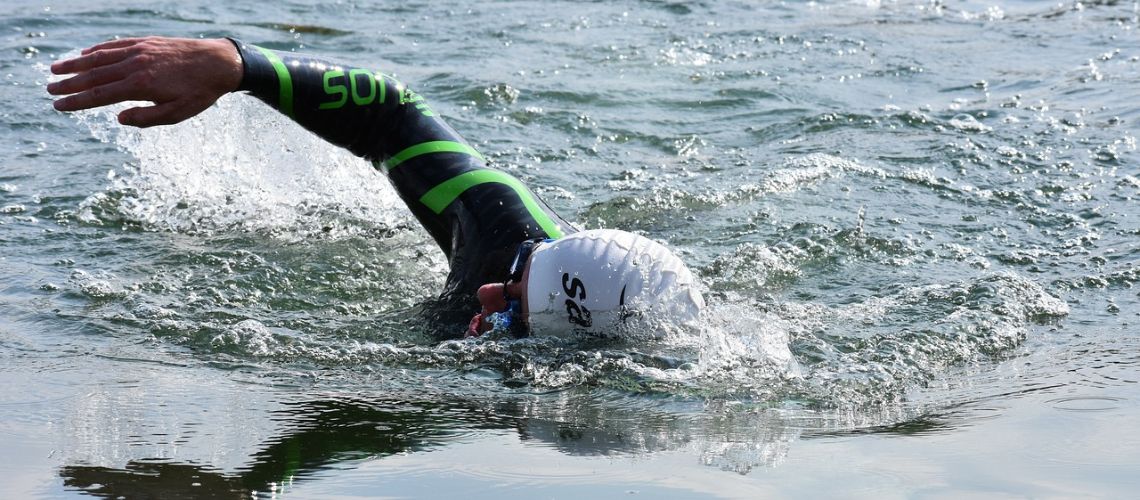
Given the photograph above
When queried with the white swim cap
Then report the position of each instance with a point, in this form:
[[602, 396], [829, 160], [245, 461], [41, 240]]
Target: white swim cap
[[589, 282]]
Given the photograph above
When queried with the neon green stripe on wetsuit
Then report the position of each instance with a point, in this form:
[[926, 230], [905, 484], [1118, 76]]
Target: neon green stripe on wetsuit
[[477, 214]]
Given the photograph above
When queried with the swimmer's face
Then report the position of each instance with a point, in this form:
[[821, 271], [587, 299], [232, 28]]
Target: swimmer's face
[[493, 298]]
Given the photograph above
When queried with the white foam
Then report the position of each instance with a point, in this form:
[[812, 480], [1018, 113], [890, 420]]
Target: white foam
[[238, 166]]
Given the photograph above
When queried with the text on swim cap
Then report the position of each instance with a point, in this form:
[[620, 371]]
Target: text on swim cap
[[577, 314]]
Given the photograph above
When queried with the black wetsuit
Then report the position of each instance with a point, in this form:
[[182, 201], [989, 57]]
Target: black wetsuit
[[478, 215]]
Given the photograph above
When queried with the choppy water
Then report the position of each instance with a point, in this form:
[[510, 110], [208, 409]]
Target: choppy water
[[916, 223]]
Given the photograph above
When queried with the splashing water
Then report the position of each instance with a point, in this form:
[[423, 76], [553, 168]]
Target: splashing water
[[221, 171], [907, 220]]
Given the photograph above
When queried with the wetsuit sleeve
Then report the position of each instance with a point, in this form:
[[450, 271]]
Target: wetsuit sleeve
[[365, 111], [477, 214]]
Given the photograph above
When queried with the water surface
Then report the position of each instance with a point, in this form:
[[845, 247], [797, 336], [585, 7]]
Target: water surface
[[915, 223]]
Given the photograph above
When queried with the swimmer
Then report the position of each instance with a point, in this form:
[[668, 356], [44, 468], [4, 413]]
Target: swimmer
[[514, 261]]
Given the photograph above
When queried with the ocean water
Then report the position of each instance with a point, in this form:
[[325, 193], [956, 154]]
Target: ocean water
[[915, 223]]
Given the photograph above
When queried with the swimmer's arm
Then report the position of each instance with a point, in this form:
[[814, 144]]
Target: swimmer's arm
[[180, 76], [363, 110], [367, 112]]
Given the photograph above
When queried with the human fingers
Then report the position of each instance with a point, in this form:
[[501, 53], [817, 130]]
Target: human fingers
[[87, 79], [102, 95], [166, 113], [91, 60]]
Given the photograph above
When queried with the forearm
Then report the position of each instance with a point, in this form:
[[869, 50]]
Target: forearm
[[365, 111]]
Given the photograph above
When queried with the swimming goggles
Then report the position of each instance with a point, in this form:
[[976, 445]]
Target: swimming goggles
[[526, 248], [506, 318]]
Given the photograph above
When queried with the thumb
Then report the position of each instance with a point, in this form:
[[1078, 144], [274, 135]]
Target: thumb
[[164, 113]]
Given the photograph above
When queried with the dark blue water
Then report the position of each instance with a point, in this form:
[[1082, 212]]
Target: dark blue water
[[915, 223]]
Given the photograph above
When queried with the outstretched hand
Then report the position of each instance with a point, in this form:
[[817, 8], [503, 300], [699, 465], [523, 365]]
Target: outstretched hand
[[181, 76]]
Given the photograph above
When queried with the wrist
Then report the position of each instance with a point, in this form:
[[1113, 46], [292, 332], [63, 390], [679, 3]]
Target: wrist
[[229, 68]]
